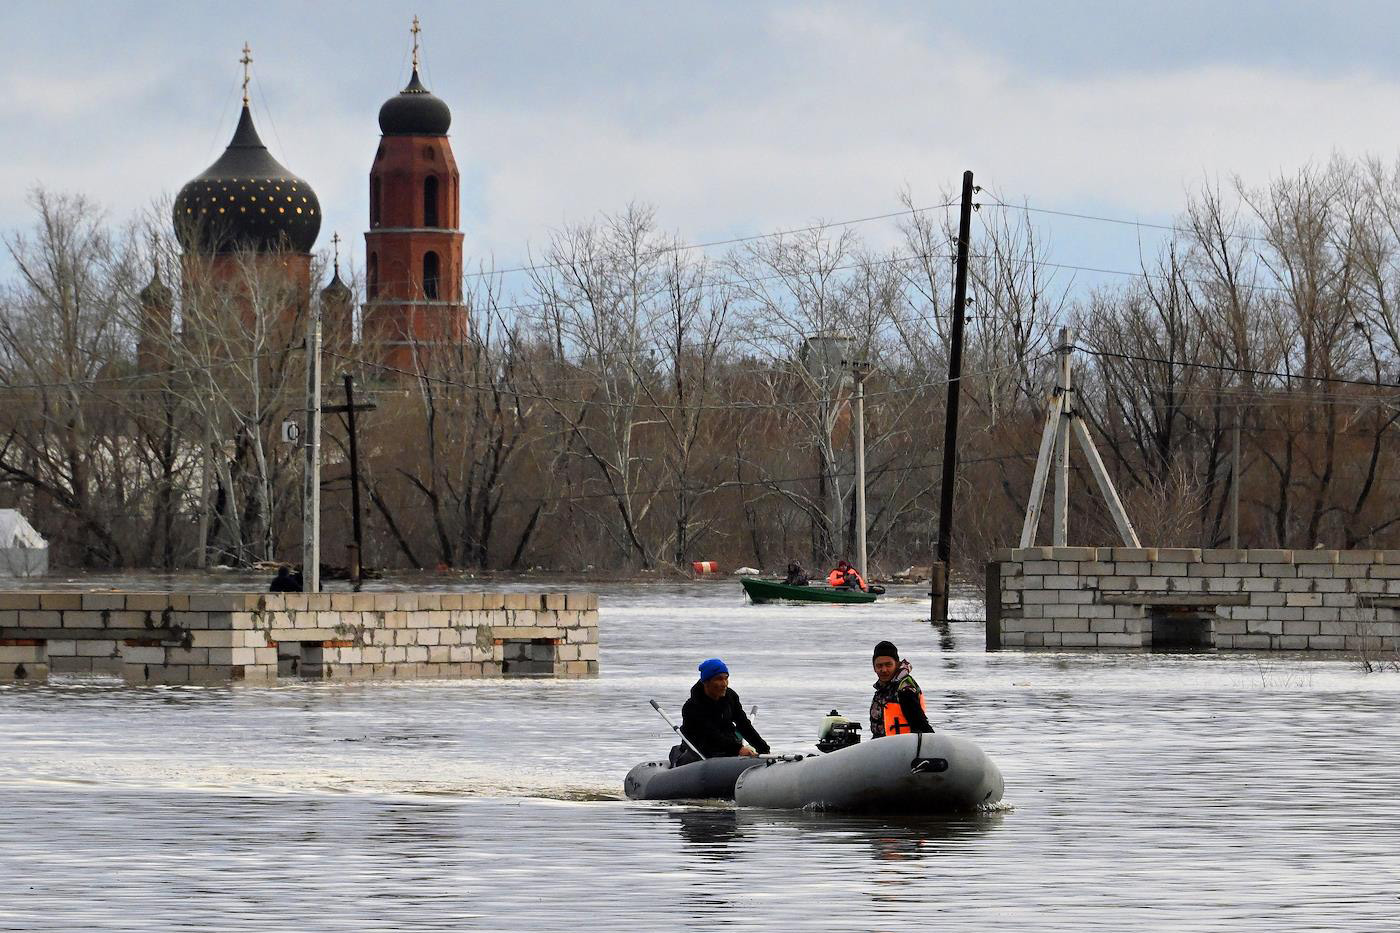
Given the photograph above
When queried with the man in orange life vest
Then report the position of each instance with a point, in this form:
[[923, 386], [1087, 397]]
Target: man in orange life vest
[[898, 707], [847, 576]]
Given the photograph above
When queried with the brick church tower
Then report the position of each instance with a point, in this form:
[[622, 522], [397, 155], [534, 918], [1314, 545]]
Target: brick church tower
[[413, 248]]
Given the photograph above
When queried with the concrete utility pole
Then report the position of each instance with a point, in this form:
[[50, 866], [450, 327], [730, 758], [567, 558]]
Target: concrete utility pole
[[1062, 417], [1060, 523], [939, 587], [860, 370], [311, 485]]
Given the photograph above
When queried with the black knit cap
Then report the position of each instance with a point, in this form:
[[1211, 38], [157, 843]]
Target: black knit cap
[[885, 649]]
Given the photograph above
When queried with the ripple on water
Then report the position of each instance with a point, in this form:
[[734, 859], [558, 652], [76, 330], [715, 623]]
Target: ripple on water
[[1157, 791]]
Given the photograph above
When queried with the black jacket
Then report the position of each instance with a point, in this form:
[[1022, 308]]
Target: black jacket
[[711, 724]]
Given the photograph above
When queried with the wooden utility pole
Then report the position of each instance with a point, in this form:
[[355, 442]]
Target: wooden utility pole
[[1235, 481], [349, 409], [939, 593]]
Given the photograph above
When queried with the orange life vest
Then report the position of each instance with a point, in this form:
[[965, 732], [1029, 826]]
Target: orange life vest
[[837, 578], [894, 717]]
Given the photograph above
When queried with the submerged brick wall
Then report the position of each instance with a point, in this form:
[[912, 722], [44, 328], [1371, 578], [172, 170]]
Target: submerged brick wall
[[1257, 599], [214, 638]]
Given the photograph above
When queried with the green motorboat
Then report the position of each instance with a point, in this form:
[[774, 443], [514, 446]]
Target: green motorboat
[[767, 591]]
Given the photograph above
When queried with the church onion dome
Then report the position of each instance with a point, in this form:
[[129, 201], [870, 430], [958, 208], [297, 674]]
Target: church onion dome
[[414, 111], [336, 292], [156, 294], [246, 200]]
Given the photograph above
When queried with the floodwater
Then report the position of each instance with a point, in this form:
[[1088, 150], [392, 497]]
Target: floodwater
[[1162, 792]]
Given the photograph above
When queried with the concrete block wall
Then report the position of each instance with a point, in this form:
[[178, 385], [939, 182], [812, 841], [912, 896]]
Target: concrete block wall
[[218, 638], [23, 659], [1257, 599]]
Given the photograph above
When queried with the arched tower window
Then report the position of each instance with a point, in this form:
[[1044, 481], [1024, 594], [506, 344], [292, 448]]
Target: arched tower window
[[374, 202], [430, 274], [373, 276], [430, 201]]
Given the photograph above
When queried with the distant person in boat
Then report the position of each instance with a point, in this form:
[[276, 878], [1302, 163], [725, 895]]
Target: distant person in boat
[[796, 576], [286, 581], [714, 721], [898, 706], [846, 576]]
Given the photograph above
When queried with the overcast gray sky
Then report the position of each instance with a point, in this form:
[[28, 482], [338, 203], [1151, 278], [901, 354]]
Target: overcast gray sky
[[731, 118]]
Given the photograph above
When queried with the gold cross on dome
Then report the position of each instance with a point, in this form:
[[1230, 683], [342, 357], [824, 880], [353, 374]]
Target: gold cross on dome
[[415, 30], [245, 61]]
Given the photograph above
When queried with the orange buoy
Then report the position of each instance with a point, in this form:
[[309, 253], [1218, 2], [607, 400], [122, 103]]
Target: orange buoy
[[703, 567]]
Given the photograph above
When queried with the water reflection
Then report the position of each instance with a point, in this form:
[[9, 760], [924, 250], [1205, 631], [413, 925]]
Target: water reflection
[[707, 833], [944, 628], [885, 838], [718, 833]]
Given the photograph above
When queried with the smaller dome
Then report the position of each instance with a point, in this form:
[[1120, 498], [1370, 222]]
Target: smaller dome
[[414, 111], [336, 292], [156, 294]]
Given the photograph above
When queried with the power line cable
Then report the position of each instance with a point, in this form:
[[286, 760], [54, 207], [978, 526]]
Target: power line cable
[[730, 241], [1220, 367], [649, 405], [737, 484], [1116, 220]]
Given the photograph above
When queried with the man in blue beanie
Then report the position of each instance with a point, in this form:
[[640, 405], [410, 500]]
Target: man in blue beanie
[[713, 719]]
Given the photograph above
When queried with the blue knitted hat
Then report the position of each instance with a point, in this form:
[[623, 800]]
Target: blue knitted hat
[[712, 667]]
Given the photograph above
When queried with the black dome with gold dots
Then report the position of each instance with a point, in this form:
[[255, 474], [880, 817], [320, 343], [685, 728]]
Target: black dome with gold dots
[[247, 200]]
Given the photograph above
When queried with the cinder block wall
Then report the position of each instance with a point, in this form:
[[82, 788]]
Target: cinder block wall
[[1086, 597], [216, 638]]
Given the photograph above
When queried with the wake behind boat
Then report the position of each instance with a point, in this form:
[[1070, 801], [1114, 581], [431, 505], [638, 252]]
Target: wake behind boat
[[767, 591]]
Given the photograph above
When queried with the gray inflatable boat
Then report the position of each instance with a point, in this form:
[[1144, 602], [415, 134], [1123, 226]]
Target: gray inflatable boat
[[930, 773], [702, 780]]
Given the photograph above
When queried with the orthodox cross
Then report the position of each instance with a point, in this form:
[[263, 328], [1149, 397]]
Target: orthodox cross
[[245, 61], [335, 242], [415, 30]]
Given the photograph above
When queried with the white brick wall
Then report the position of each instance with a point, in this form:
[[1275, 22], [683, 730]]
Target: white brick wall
[[1287, 600], [222, 637]]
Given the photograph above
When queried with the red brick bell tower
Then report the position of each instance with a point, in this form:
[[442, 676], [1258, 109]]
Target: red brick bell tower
[[413, 248]]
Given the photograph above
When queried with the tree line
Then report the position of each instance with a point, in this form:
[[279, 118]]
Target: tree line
[[625, 402]]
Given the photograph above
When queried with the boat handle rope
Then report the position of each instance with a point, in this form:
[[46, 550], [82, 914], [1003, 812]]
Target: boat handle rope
[[922, 765]]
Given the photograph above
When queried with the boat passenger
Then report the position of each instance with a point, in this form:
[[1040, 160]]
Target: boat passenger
[[898, 706], [796, 576], [714, 721], [848, 577], [286, 581]]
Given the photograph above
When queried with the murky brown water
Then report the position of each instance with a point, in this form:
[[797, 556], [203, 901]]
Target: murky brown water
[[1152, 791]]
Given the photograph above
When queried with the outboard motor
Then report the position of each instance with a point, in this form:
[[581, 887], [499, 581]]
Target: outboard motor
[[837, 732]]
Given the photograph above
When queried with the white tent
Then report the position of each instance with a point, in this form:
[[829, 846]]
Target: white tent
[[23, 551]]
